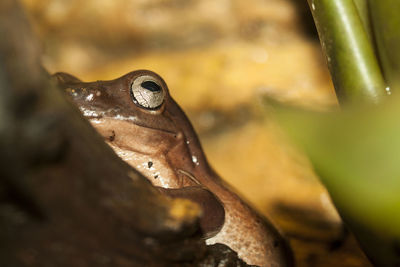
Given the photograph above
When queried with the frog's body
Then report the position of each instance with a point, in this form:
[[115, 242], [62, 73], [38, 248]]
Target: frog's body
[[146, 128]]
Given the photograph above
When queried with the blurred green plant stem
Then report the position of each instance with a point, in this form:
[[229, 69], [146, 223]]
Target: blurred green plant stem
[[344, 32], [385, 16]]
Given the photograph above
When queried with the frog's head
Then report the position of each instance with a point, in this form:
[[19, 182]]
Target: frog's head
[[136, 112], [139, 97]]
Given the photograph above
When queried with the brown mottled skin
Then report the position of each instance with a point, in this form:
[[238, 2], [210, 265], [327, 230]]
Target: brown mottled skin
[[162, 145]]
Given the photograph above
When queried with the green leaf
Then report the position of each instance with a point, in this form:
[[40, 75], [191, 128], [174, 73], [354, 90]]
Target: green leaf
[[356, 152]]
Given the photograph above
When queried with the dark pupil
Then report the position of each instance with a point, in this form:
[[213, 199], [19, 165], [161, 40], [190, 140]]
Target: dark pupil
[[151, 86]]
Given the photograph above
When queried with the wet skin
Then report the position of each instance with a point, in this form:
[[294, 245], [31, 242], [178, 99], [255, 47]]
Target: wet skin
[[145, 127]]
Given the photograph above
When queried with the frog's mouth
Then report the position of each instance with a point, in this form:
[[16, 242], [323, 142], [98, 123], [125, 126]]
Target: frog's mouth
[[213, 216]]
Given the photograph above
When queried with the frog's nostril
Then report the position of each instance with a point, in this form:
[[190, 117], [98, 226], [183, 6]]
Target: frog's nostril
[[151, 86]]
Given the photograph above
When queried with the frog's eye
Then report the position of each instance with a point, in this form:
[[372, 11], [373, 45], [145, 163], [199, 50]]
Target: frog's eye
[[147, 93]]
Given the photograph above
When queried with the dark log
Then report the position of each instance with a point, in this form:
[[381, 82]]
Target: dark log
[[65, 198]]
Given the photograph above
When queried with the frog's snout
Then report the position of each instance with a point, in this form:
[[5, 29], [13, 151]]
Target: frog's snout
[[64, 78]]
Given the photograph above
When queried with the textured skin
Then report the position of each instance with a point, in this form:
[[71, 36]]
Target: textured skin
[[163, 146]]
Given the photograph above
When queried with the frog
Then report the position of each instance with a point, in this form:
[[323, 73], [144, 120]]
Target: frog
[[142, 123]]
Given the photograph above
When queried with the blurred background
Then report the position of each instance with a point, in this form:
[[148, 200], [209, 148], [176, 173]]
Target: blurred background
[[220, 59]]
